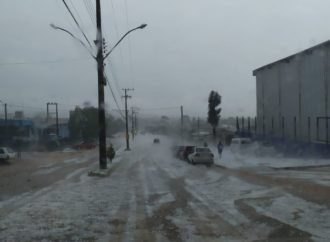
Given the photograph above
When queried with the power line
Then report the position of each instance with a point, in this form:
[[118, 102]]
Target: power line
[[161, 108], [43, 61], [114, 97], [129, 43], [64, 14], [90, 11], [69, 10], [116, 29]]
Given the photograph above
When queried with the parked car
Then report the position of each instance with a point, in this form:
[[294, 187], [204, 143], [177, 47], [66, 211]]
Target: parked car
[[187, 150], [201, 155], [240, 144], [7, 153], [85, 145], [156, 141], [178, 151]]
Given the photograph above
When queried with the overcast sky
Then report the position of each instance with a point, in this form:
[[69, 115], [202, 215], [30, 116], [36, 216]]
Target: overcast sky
[[189, 48]]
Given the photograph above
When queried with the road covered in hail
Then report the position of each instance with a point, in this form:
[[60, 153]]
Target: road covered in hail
[[151, 196]]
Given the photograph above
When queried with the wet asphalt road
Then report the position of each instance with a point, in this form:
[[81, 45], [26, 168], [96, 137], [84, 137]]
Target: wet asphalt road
[[151, 196]]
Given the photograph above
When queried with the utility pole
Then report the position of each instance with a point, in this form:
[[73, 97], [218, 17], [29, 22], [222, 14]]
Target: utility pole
[[100, 71], [181, 121], [126, 115], [47, 112], [57, 126], [133, 125], [6, 114], [135, 122], [6, 122], [101, 84]]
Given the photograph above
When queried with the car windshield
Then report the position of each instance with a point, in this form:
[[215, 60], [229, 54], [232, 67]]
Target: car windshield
[[165, 120]]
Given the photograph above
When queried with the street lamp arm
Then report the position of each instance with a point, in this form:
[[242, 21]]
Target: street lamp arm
[[142, 26], [73, 36]]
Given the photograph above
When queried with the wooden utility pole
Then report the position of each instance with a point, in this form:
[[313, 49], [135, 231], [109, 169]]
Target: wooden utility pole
[[101, 84], [181, 108], [57, 125], [6, 122], [47, 112], [126, 115]]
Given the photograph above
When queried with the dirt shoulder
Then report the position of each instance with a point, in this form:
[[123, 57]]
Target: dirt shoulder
[[37, 170]]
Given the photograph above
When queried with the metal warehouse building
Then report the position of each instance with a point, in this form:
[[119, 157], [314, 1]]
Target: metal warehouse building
[[293, 96]]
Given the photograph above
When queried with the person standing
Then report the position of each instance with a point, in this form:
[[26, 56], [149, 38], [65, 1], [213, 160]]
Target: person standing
[[111, 153], [220, 148]]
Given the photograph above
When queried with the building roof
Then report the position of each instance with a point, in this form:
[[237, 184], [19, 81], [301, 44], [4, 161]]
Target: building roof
[[287, 59]]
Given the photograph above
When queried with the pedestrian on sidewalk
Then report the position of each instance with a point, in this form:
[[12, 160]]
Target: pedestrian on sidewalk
[[111, 153], [220, 148]]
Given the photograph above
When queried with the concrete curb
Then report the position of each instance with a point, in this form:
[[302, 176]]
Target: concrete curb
[[102, 172]]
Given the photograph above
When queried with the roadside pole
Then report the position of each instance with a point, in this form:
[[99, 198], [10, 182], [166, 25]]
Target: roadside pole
[[101, 83], [126, 116], [181, 122]]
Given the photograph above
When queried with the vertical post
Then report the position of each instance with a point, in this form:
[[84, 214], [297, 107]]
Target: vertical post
[[317, 129], [6, 122], [181, 108], [126, 116], [283, 127], [47, 112], [327, 130], [295, 127], [101, 83], [255, 125], [135, 122], [249, 125], [237, 125], [126, 119], [309, 129], [57, 126], [243, 124]]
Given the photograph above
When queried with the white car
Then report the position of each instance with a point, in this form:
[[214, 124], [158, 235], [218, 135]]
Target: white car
[[7, 153], [240, 144], [201, 155]]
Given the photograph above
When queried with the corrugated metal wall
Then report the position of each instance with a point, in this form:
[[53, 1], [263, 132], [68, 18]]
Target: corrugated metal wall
[[291, 91]]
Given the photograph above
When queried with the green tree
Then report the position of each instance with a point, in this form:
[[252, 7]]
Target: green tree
[[214, 112], [114, 125], [75, 123], [83, 123]]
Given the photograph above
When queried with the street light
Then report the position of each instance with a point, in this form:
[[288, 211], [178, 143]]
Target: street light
[[73, 36], [100, 59], [142, 26]]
